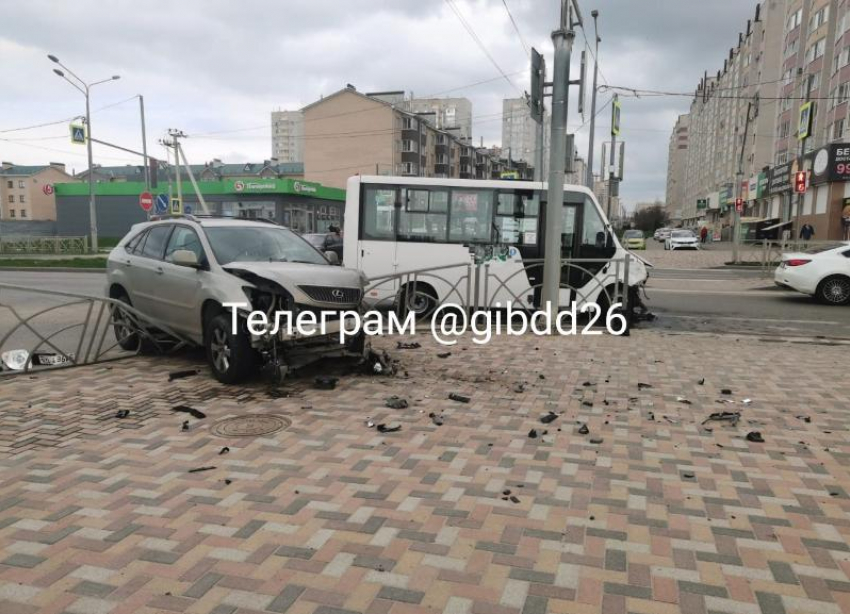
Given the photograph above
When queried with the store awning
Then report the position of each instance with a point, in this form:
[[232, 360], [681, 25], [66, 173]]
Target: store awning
[[779, 225]]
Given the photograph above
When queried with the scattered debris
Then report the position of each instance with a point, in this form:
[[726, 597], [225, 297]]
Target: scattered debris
[[224, 450], [378, 364], [650, 416], [726, 391], [587, 403], [584, 430], [199, 469], [532, 434], [395, 402], [459, 398], [506, 492], [519, 387], [408, 346], [185, 425], [701, 382], [182, 374], [689, 474], [514, 499], [747, 401], [228, 482], [392, 427], [324, 382], [122, 413], [596, 440], [755, 437], [444, 354], [642, 386], [725, 401], [588, 384], [195, 413], [437, 420], [541, 376], [549, 418], [277, 393], [806, 419], [724, 416], [683, 401], [370, 424]]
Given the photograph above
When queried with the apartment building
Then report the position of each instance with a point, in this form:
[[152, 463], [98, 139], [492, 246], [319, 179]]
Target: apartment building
[[778, 105], [27, 192], [288, 136], [519, 131], [453, 115], [677, 160], [349, 133], [214, 170]]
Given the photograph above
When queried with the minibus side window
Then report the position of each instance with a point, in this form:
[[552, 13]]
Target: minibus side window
[[423, 216], [471, 216], [378, 214]]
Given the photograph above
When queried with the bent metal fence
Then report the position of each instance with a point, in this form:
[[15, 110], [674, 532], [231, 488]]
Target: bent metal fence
[[46, 329], [492, 285]]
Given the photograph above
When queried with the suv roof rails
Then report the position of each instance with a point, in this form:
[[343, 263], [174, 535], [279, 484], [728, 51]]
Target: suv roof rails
[[197, 217]]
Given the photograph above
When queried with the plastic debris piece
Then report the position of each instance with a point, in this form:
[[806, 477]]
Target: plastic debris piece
[[122, 413], [596, 440], [437, 420], [532, 434], [726, 391], [200, 469], [459, 398], [755, 437], [395, 402], [724, 416], [185, 425], [642, 386], [584, 430], [683, 400], [182, 374], [514, 499], [549, 418], [195, 413], [444, 354], [392, 427], [408, 346], [224, 450]]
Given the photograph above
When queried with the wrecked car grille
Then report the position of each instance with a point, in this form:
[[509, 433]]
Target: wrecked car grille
[[330, 294]]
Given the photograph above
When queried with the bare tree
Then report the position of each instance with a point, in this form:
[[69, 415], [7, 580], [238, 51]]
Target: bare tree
[[650, 218]]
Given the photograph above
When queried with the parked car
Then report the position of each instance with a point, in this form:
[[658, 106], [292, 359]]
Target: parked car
[[822, 272], [633, 239], [326, 242], [662, 234], [181, 271], [681, 239]]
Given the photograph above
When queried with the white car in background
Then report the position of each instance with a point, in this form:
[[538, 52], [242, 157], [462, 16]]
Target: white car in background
[[822, 272], [662, 234], [681, 239]]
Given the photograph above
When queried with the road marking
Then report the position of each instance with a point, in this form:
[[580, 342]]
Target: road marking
[[745, 319]]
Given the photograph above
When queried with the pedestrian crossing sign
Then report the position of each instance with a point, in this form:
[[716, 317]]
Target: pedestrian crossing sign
[[78, 134]]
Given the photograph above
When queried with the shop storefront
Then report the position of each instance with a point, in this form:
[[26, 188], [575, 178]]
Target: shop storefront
[[829, 187], [779, 191]]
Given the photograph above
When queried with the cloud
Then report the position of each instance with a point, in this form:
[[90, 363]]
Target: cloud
[[214, 65]]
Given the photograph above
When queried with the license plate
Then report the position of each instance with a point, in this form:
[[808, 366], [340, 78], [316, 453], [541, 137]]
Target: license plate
[[51, 360]]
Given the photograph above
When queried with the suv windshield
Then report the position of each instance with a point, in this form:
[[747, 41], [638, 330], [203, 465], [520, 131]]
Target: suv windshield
[[633, 234], [257, 244]]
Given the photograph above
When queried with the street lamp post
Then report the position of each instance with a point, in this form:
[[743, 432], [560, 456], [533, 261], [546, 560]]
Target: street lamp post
[[85, 91], [590, 153]]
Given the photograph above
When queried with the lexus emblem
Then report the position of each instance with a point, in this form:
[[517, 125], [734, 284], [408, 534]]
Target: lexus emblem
[[338, 294]]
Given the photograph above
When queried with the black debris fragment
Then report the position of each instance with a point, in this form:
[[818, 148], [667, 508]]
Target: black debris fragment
[[541, 376], [395, 402], [514, 499], [224, 450], [689, 474], [701, 382], [182, 374], [324, 382], [755, 437], [726, 392], [806, 419], [378, 364], [392, 427], [506, 492], [122, 413], [185, 425], [408, 346], [596, 440], [519, 387], [200, 469], [458, 397], [650, 416], [228, 482], [588, 384], [683, 401], [195, 413], [532, 434], [549, 418], [724, 416], [444, 354], [642, 386], [437, 420], [584, 430], [587, 403]]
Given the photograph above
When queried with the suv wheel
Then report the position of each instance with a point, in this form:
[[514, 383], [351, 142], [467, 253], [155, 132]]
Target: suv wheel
[[230, 355], [834, 290], [123, 328]]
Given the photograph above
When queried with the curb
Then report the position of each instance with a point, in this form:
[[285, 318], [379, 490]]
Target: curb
[[54, 269]]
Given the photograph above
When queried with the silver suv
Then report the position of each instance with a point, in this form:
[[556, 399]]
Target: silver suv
[[181, 271]]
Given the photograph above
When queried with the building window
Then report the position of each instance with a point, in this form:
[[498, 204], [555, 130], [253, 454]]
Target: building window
[[10, 184], [794, 20], [23, 212], [11, 198], [818, 19], [11, 213], [21, 183], [838, 129], [21, 199], [409, 146], [816, 50]]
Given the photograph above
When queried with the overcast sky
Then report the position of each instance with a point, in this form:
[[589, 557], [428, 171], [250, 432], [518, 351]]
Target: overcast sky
[[208, 66]]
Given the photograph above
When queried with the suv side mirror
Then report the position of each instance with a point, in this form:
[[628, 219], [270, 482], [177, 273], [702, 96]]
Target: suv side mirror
[[332, 257], [185, 257]]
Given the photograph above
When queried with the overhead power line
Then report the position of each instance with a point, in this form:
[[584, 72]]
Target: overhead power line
[[67, 119], [516, 28], [471, 31]]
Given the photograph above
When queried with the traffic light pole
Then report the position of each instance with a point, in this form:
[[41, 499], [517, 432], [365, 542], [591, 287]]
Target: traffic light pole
[[736, 216]]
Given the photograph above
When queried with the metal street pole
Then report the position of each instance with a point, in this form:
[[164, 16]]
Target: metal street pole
[[736, 216], [590, 155], [611, 169], [563, 41], [85, 89], [144, 144], [538, 155]]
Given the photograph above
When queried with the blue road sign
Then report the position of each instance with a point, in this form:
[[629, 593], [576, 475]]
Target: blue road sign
[[187, 209], [161, 203], [78, 134]]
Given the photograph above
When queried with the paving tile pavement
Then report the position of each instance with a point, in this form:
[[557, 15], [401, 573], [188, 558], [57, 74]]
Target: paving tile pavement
[[330, 517]]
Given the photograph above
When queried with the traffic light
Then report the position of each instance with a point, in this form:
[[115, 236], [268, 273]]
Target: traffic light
[[800, 182]]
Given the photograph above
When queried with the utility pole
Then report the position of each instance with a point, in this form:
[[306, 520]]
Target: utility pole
[[736, 216], [563, 42], [144, 144], [590, 153]]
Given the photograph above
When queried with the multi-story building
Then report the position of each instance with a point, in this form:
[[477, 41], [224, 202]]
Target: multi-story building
[[677, 160], [349, 133], [27, 192], [288, 136], [452, 115], [214, 170], [519, 131]]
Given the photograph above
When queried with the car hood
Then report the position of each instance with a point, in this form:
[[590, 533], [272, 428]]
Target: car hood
[[683, 239], [289, 274], [645, 262]]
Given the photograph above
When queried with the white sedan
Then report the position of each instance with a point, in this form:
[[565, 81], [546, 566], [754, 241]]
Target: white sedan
[[681, 239], [822, 272]]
